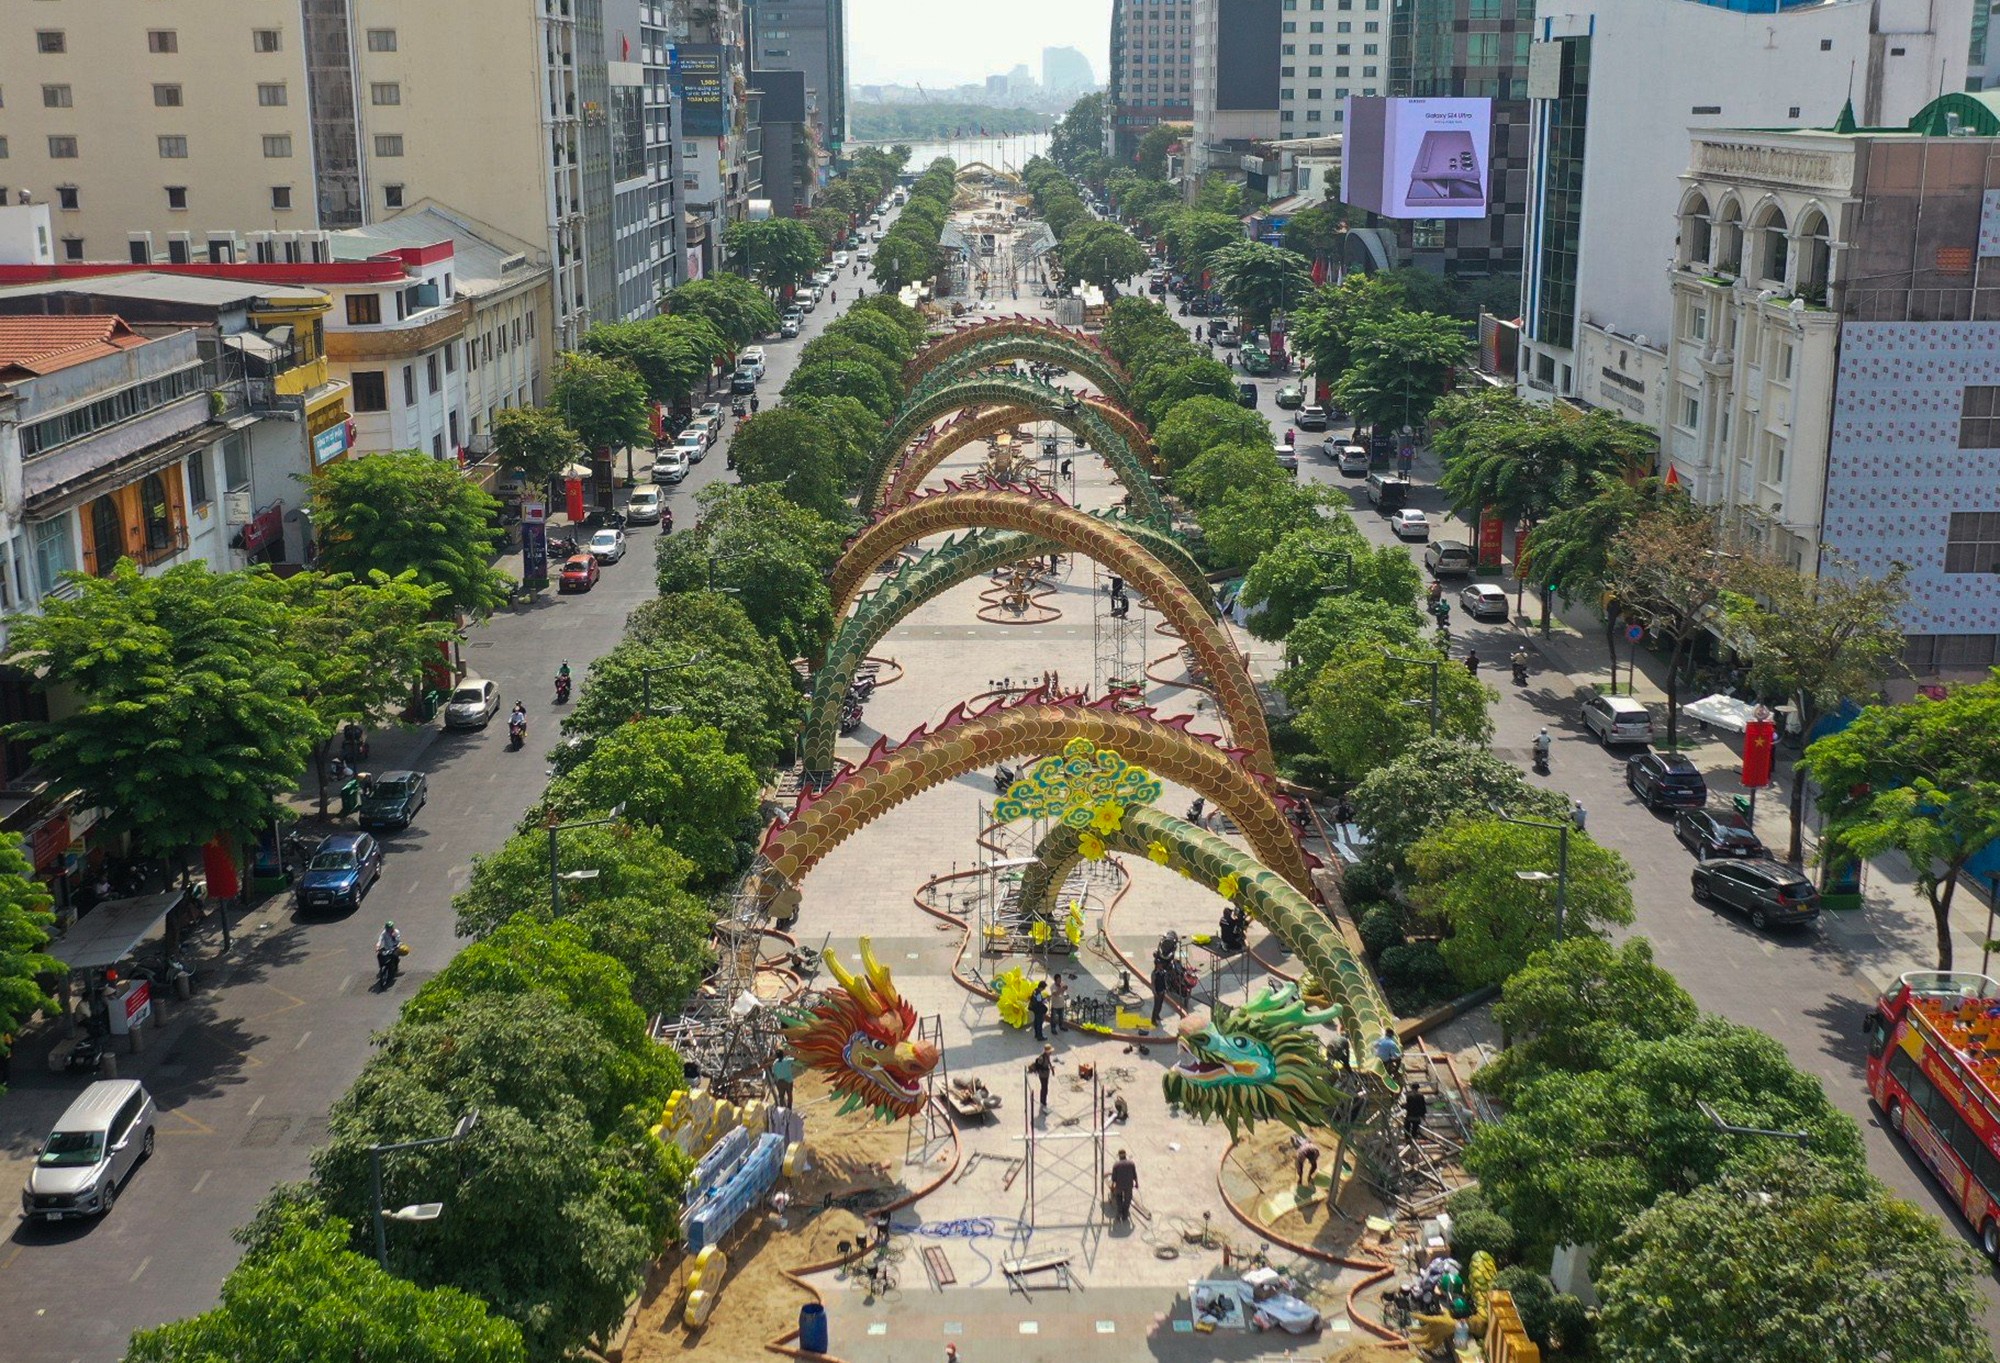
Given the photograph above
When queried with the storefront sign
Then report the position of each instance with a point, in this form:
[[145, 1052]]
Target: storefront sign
[[264, 528], [1492, 540], [534, 511], [47, 841], [701, 76], [534, 552], [330, 443]]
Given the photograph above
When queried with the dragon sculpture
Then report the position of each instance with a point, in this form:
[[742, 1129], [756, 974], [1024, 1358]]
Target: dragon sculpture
[[861, 1036], [1260, 1062]]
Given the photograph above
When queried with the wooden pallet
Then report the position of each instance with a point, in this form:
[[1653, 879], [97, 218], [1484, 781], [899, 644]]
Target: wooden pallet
[[938, 1267]]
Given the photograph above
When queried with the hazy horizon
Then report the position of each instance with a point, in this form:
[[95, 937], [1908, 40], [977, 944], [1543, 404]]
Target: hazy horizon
[[909, 42]]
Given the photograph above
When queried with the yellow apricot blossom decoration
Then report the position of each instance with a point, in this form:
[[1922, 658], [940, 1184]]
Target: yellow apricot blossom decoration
[[1229, 885], [1091, 846], [1158, 853], [1109, 817]]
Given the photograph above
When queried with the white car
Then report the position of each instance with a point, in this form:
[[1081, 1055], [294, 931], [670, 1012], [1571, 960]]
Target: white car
[[1410, 524], [1484, 601], [704, 429], [643, 507], [840, 260], [606, 546], [670, 467], [789, 326], [866, 253]]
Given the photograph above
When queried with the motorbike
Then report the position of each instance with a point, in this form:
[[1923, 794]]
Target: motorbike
[[389, 964], [517, 731], [562, 688], [1541, 752], [1520, 671], [84, 1056], [863, 688], [297, 848], [563, 546], [850, 719], [605, 518]]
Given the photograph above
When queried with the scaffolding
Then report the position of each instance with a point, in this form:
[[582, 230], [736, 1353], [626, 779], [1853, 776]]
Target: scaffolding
[[1118, 636], [728, 1033], [1066, 1165], [931, 1129]]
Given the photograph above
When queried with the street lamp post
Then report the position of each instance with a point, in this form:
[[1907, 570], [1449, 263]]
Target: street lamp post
[[556, 874], [421, 1211], [1561, 877], [1433, 664]]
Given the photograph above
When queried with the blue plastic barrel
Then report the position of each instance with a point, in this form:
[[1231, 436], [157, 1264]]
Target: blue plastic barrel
[[812, 1328]]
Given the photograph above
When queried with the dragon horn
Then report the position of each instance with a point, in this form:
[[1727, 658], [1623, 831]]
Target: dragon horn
[[847, 981], [878, 975]]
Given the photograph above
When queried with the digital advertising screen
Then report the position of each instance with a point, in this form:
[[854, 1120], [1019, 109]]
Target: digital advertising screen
[[1417, 158]]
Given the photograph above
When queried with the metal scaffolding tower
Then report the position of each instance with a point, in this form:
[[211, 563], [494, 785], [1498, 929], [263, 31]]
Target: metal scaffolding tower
[[1066, 1163], [1118, 636]]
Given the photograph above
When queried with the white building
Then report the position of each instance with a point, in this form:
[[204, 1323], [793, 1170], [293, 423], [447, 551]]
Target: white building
[[1327, 51], [1616, 87]]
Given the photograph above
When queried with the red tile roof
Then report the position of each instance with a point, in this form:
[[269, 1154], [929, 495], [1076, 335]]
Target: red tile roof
[[42, 345]]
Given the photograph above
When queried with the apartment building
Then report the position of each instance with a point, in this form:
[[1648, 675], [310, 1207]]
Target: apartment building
[[1152, 71], [1834, 366], [175, 117], [649, 245], [721, 169], [1327, 51], [1615, 89], [788, 123], [810, 37], [1236, 83]]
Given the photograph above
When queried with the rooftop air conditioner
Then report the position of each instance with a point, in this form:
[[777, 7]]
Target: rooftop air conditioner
[[139, 246], [223, 249]]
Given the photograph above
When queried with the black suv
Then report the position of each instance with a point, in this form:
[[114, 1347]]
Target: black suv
[[1710, 833], [1666, 779], [1765, 892]]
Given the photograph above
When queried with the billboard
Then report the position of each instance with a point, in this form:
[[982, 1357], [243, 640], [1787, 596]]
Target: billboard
[[1417, 158], [700, 75]]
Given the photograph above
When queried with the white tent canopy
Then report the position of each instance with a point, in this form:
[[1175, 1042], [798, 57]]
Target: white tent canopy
[[1723, 712]]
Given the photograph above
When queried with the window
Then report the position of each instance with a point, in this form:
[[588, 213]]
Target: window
[[1697, 323], [235, 463], [62, 149], [409, 386], [177, 197], [66, 198], [388, 144], [265, 40], [371, 394], [271, 94], [392, 196], [50, 41], [1972, 543], [55, 97], [432, 373], [107, 536], [1979, 417], [385, 92], [53, 550], [437, 447], [381, 40], [364, 309], [277, 145], [281, 198], [166, 96], [1690, 409], [173, 148], [162, 40], [450, 358], [1783, 368], [72, 248], [197, 476], [452, 423]]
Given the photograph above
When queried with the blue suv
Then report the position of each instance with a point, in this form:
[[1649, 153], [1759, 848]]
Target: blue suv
[[342, 868]]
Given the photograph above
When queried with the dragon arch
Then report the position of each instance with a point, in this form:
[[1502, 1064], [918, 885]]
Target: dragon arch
[[1033, 726], [950, 343], [926, 577], [1045, 516], [1133, 464], [1089, 422], [997, 346]]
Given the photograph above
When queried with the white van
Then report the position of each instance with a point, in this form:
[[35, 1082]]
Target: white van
[[92, 1151]]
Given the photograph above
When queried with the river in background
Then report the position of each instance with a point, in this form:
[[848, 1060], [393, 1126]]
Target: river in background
[[1002, 153]]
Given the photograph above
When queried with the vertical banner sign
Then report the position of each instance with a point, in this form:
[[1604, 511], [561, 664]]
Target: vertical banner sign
[[534, 542], [1492, 540], [573, 498], [1759, 735], [601, 474]]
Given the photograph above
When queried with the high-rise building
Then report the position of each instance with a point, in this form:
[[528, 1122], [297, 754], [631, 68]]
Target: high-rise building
[[1236, 83], [1615, 84], [787, 119], [720, 161], [296, 115], [1066, 70], [808, 36], [646, 235], [1476, 49], [1152, 71], [1325, 57]]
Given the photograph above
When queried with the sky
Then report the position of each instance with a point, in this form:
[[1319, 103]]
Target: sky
[[952, 42]]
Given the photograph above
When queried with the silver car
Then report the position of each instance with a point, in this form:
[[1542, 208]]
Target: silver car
[[474, 702], [92, 1151]]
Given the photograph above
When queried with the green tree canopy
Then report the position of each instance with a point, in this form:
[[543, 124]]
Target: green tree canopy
[[878, 331], [1363, 708], [1199, 424], [1306, 566], [1577, 1005], [1159, 390], [1101, 253], [1317, 232], [1259, 279], [796, 452], [25, 923], [829, 224], [1525, 460], [832, 347], [1435, 781], [1151, 156], [902, 260], [780, 251], [1340, 621], [858, 379], [777, 556], [1400, 364], [675, 777], [1133, 323], [603, 399], [1245, 524], [671, 355], [748, 693], [536, 441], [1193, 235], [408, 512], [1671, 570], [1079, 133], [1323, 328], [889, 306], [1570, 553], [735, 307], [856, 432], [1221, 469]]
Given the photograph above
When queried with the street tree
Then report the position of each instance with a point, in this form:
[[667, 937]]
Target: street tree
[[1143, 204], [603, 398], [536, 441], [1922, 779], [1583, 1153], [1151, 155], [672, 776], [1306, 566], [1324, 326], [1259, 279], [1468, 875], [1100, 253], [1400, 365], [750, 698], [1820, 640], [26, 921], [876, 330], [1247, 523], [856, 379], [774, 555], [1340, 621], [1199, 424], [1435, 781], [1134, 323], [1670, 571], [830, 225], [1766, 1266], [1159, 390], [305, 1297], [1576, 1005], [902, 259], [672, 356], [915, 328], [1218, 194], [1193, 236], [832, 347], [1364, 708], [363, 648], [1319, 232], [1079, 133], [798, 454], [1210, 476], [736, 308], [1569, 555], [398, 513], [855, 430], [782, 252], [187, 716]]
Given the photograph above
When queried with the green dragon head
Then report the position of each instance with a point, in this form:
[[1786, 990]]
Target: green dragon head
[[1260, 1062]]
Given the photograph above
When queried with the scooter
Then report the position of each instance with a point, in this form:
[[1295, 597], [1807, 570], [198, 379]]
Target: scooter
[[1004, 778], [1520, 661], [388, 964], [1541, 758], [562, 688], [517, 732]]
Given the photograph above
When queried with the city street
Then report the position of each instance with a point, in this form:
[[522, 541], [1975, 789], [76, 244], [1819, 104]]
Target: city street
[[280, 1024]]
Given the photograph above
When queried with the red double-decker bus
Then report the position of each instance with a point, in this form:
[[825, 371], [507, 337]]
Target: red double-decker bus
[[1934, 1070]]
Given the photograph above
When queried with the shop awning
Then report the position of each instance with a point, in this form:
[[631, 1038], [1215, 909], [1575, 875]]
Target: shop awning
[[1720, 712], [109, 932]]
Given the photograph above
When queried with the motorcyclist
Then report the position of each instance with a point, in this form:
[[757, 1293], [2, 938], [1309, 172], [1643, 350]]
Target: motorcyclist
[[388, 948], [1541, 746], [517, 719], [1472, 663]]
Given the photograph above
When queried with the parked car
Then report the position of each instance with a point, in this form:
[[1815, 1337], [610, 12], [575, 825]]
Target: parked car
[[709, 428], [393, 799], [865, 254], [343, 868], [670, 466], [474, 702], [96, 1144], [1290, 397], [1666, 778], [743, 381], [689, 446], [789, 324], [1311, 417], [752, 355], [1446, 558], [1246, 395], [840, 260], [1410, 524], [1482, 600], [579, 574], [1388, 492], [1711, 833], [1618, 719], [1767, 893], [644, 506], [607, 545]]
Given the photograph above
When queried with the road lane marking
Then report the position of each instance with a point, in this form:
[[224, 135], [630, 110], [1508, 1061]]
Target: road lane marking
[[300, 1043], [200, 1181], [342, 990], [198, 1126], [143, 1263], [254, 1106]]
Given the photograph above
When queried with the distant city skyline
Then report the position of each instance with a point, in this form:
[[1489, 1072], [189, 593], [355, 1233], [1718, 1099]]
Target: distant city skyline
[[909, 41]]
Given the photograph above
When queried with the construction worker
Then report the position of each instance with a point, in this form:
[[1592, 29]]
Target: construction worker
[[1124, 1182]]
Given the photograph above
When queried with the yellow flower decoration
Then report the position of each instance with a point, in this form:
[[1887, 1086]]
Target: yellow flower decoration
[[1040, 933], [1157, 852], [1108, 818], [1091, 846], [1073, 923], [1229, 885]]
